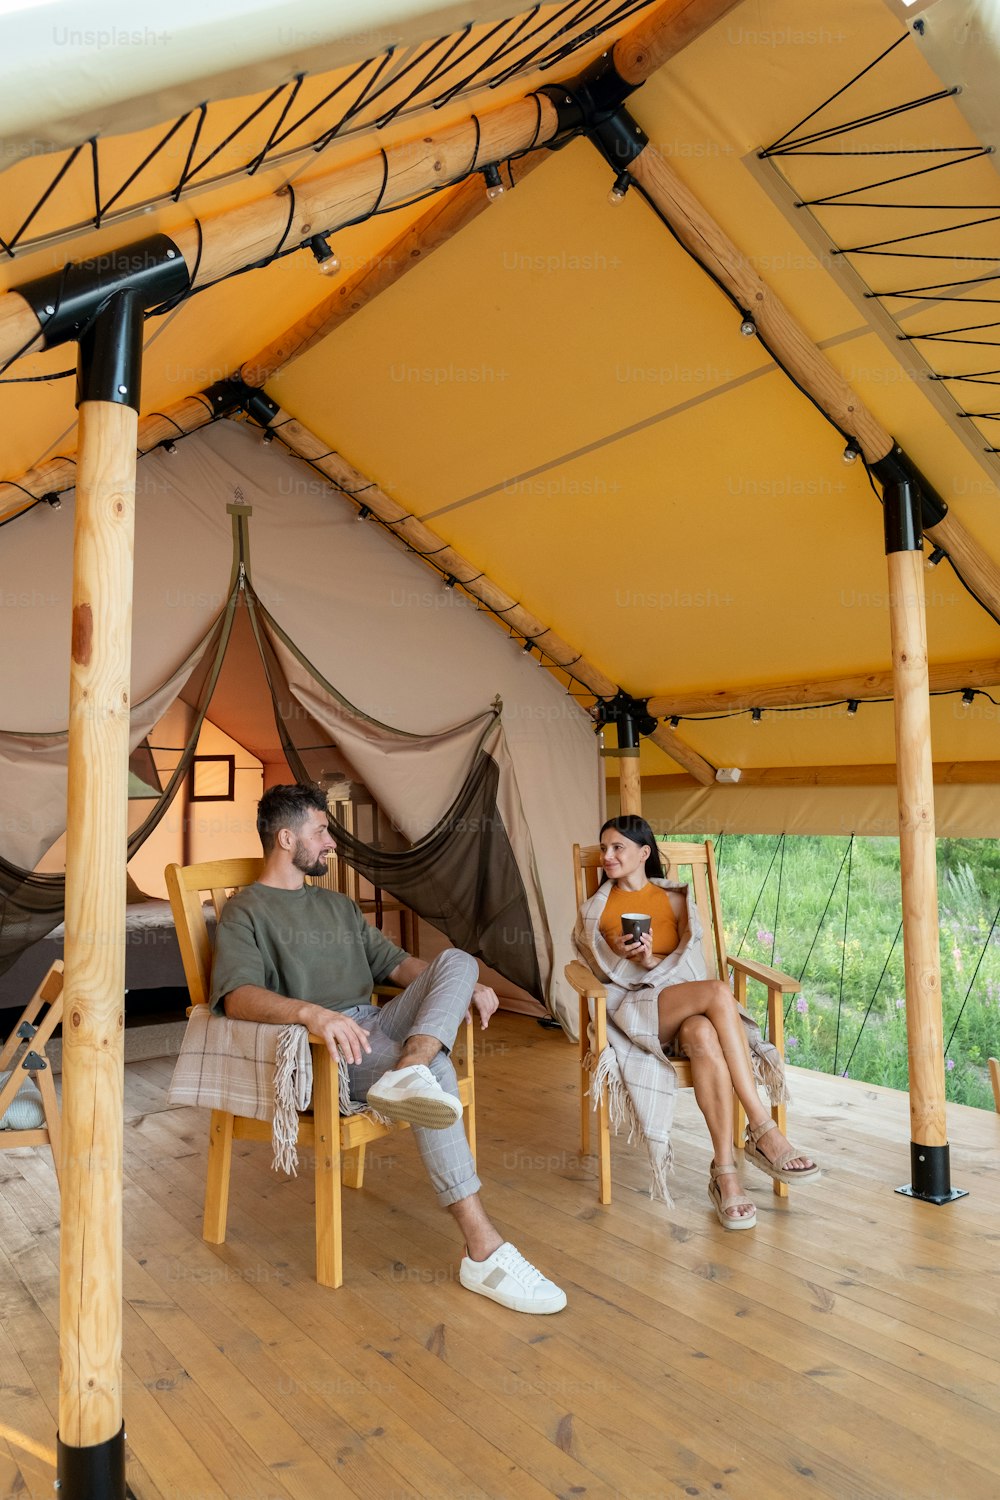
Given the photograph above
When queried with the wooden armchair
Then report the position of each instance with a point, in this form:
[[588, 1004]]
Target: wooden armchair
[[34, 1119], [695, 864], [338, 1141]]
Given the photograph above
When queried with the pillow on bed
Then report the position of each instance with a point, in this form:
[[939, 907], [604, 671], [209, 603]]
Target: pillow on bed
[[25, 1110]]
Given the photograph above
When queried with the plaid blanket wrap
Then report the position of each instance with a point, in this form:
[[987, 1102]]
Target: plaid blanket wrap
[[254, 1069], [635, 1071]]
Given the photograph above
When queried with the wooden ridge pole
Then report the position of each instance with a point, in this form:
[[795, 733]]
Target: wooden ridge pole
[[931, 1175], [945, 677], [447, 213], [659, 35], [219, 245]]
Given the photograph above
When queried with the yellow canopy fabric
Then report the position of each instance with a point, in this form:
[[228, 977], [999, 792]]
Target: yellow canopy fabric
[[565, 396]]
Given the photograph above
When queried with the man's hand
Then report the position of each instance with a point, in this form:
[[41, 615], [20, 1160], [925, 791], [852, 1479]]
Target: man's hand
[[342, 1034], [485, 1002]]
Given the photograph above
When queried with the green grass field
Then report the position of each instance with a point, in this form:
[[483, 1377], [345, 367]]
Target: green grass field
[[828, 911]]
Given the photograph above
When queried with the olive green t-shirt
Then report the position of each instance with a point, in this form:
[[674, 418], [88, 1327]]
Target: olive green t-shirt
[[310, 944]]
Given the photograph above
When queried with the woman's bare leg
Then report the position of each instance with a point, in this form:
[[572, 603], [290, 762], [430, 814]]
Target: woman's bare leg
[[714, 1000], [698, 1040]]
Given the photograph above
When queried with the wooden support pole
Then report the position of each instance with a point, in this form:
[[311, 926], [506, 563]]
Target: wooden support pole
[[629, 783], [918, 870], [917, 847], [90, 1402], [91, 1450]]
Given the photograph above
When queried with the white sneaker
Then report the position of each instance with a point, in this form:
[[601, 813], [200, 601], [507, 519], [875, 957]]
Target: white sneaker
[[413, 1094], [512, 1281]]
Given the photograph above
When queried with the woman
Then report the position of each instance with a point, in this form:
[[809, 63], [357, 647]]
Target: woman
[[659, 1000]]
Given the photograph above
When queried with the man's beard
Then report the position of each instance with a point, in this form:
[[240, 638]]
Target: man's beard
[[300, 860]]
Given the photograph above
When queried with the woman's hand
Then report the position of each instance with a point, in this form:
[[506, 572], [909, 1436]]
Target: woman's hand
[[640, 952]]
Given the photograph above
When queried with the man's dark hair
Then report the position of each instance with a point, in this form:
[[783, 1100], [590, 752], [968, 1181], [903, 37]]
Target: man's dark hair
[[286, 807]]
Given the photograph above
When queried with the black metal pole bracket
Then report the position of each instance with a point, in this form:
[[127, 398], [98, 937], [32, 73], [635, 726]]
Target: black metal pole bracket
[[897, 468], [235, 395], [593, 105], [67, 301], [96, 1472], [930, 1167], [630, 715]]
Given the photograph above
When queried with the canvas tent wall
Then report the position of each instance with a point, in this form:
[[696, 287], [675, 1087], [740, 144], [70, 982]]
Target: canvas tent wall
[[404, 652]]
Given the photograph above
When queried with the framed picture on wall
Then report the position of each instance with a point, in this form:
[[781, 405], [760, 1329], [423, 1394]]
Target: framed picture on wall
[[212, 778]]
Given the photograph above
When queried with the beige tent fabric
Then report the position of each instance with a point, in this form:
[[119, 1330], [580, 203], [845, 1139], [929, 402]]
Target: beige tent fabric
[[399, 646], [961, 812], [33, 773], [414, 779], [369, 617]]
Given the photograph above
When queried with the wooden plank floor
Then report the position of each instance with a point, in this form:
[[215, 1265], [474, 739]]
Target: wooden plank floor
[[848, 1347]]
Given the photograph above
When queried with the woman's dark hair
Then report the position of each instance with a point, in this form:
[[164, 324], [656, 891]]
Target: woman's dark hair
[[639, 831]]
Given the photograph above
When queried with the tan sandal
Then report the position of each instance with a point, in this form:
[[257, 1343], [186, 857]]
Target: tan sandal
[[779, 1169], [725, 1218]]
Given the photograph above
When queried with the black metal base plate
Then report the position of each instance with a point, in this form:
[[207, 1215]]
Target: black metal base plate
[[909, 1192]]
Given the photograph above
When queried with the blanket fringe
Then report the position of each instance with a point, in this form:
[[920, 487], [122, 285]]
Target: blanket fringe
[[287, 1083], [349, 1106], [606, 1081], [769, 1072]]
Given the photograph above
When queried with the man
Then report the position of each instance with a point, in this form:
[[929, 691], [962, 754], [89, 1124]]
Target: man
[[287, 953]]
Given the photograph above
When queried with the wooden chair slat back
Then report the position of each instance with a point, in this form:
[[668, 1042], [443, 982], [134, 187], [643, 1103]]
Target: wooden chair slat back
[[689, 864], [186, 886]]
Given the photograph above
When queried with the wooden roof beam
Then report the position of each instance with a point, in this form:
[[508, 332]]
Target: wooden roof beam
[[945, 677], [946, 773]]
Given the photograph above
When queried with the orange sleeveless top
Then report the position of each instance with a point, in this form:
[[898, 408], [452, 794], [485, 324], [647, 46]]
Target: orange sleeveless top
[[653, 902]]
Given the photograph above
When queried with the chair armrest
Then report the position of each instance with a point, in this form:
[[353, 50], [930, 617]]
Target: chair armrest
[[385, 992], [584, 982], [773, 978]]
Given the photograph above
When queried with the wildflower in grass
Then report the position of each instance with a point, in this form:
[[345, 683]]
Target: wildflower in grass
[[950, 1064], [956, 954], [900, 1004], [791, 1041], [802, 1005], [763, 936]]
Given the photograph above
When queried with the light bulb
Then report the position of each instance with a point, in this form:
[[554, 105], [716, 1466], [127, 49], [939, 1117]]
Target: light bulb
[[326, 258], [851, 453], [620, 187], [494, 185], [748, 327]]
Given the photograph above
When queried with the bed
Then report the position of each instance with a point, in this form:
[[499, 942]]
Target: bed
[[152, 957]]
